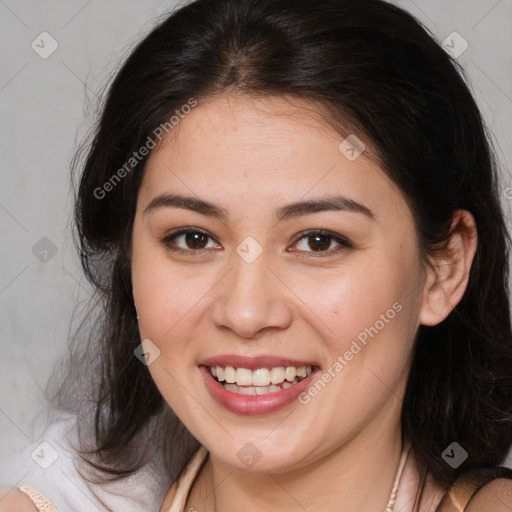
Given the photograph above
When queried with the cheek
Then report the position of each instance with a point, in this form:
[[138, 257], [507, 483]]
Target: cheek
[[163, 306], [376, 298], [166, 304], [169, 299], [153, 289]]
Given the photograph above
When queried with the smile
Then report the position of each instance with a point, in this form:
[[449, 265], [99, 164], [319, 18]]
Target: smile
[[256, 385], [260, 381]]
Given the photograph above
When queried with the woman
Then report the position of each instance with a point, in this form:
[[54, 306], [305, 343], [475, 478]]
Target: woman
[[290, 212]]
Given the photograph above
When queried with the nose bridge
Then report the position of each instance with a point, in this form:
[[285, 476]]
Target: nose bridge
[[251, 298], [251, 268]]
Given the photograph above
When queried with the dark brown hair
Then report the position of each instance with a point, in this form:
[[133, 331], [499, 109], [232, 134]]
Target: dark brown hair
[[375, 69]]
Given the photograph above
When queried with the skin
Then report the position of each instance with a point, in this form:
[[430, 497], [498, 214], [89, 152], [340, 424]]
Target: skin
[[12, 500], [241, 153], [494, 497], [252, 156]]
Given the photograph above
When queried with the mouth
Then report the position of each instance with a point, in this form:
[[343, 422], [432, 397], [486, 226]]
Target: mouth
[[258, 385], [260, 381]]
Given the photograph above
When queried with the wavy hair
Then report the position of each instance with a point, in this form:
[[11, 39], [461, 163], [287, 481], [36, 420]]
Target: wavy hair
[[368, 66]]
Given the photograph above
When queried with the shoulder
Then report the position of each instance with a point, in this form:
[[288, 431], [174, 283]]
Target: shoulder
[[13, 500], [495, 496]]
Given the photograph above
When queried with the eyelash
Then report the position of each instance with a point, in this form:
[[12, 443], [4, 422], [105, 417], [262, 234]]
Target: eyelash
[[344, 244]]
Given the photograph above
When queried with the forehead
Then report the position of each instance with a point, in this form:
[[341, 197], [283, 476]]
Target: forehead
[[270, 149]]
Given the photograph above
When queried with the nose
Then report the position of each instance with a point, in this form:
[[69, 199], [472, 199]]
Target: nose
[[252, 300]]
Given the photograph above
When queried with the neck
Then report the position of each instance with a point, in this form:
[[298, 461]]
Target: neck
[[356, 476], [418, 488]]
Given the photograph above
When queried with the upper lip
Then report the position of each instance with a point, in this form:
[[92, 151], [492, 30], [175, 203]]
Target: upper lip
[[254, 362]]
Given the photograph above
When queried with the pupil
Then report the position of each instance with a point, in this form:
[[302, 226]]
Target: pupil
[[195, 239], [320, 242]]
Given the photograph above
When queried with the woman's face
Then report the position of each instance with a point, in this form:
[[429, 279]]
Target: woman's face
[[300, 254]]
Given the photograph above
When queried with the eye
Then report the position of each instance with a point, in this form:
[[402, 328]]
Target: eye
[[187, 240], [321, 242]]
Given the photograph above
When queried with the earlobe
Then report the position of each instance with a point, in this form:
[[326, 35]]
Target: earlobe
[[448, 277]]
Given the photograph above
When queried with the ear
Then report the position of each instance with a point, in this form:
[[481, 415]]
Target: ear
[[448, 278]]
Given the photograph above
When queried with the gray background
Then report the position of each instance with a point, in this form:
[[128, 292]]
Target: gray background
[[45, 107]]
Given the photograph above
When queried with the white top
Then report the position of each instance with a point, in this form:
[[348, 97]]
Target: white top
[[49, 464], [53, 479]]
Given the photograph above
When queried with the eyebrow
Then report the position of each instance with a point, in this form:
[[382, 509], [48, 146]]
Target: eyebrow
[[297, 209]]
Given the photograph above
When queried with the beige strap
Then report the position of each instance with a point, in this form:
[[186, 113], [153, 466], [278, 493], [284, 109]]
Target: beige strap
[[178, 492], [42, 503], [467, 485]]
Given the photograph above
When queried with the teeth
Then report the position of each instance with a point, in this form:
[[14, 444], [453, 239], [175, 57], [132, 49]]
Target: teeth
[[243, 377], [261, 377], [258, 390], [277, 375], [230, 374], [290, 373], [302, 371]]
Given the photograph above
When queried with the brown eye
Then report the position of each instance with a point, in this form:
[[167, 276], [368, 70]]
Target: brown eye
[[187, 240], [196, 240], [319, 242], [322, 243]]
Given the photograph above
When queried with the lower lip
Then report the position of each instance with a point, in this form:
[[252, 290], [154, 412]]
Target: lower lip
[[249, 405]]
